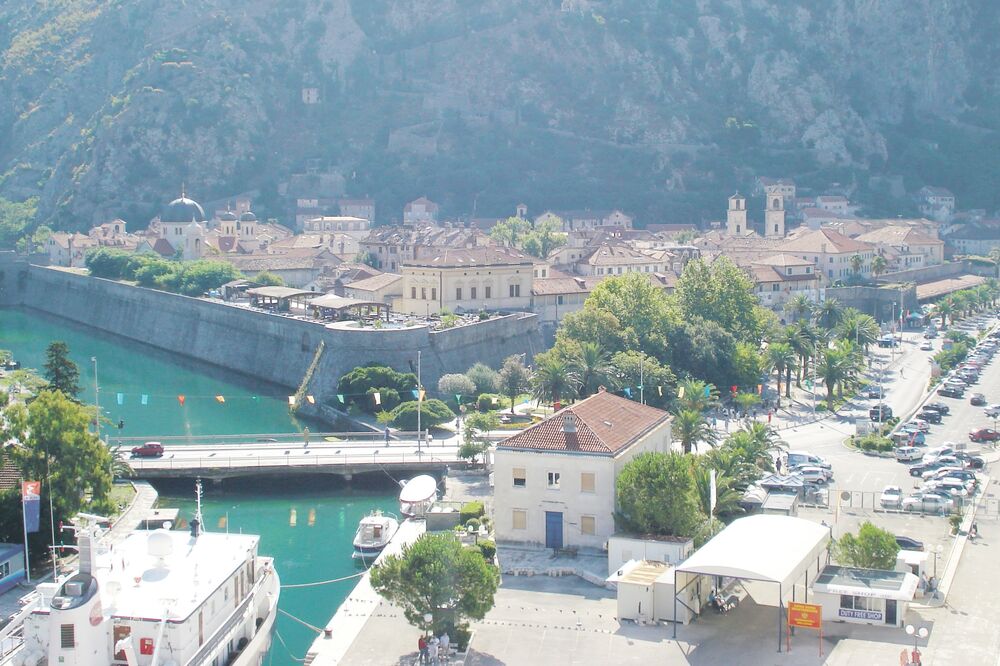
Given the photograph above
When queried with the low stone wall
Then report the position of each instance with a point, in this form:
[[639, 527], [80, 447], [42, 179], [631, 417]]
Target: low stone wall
[[261, 345]]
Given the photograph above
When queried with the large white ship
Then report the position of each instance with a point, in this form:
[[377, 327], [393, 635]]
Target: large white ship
[[160, 598]]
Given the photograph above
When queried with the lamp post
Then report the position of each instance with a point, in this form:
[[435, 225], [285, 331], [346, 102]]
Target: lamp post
[[917, 633]]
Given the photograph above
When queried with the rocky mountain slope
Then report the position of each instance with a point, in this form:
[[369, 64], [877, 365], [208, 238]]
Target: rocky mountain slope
[[107, 106]]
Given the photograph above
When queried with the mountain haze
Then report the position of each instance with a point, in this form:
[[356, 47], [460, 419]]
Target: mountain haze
[[654, 106]]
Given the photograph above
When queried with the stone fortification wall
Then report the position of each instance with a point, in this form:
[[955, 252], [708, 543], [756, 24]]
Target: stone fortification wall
[[270, 347]]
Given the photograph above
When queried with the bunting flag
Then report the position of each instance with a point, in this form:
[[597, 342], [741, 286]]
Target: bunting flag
[[291, 401], [144, 399], [680, 392], [340, 397], [311, 400], [708, 391], [458, 398], [628, 391], [659, 389], [423, 392], [416, 394], [760, 389], [378, 397], [733, 389], [180, 399], [220, 399], [121, 398]]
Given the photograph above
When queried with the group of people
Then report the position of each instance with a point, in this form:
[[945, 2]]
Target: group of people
[[435, 650]]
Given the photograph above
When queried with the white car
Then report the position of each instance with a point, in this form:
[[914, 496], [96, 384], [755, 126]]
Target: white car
[[993, 411], [953, 487], [892, 497], [926, 345], [908, 453], [813, 474], [927, 503]]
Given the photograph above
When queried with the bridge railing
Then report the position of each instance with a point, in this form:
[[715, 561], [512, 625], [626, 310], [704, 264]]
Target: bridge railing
[[252, 438], [319, 459]]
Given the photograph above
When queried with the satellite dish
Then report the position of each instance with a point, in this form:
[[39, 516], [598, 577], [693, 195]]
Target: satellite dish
[[845, 495]]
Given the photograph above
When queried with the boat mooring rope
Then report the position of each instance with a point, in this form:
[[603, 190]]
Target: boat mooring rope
[[323, 582], [302, 622], [287, 649]]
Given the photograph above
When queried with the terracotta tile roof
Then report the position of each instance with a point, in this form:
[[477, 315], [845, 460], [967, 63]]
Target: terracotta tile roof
[[564, 285], [376, 282], [897, 236], [825, 241], [783, 259], [606, 425], [948, 286], [472, 257]]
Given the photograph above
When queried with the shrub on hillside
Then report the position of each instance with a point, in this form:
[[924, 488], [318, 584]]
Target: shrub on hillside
[[433, 412]]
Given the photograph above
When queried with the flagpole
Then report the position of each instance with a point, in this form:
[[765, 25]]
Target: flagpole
[[97, 401], [419, 401], [642, 384]]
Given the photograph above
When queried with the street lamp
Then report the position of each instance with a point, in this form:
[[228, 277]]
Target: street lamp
[[917, 633]]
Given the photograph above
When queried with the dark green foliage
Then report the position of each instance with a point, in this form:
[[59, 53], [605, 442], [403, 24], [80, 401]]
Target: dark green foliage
[[357, 386], [433, 412], [61, 372], [872, 548], [655, 494], [484, 377], [488, 548], [16, 219], [266, 278], [192, 278], [471, 510]]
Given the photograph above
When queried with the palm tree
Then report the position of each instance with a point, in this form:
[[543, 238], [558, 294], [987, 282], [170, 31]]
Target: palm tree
[[945, 308], [798, 306], [781, 357], [553, 379], [690, 427], [858, 327], [756, 443], [828, 313], [838, 366], [856, 263], [592, 366], [691, 395], [727, 498], [804, 338], [879, 265], [995, 256], [992, 287], [120, 468]]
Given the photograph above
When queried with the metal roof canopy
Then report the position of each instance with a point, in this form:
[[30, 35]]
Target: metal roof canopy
[[279, 293], [760, 549], [334, 302]]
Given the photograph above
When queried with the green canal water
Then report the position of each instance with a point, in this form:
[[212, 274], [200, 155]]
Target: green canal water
[[314, 546]]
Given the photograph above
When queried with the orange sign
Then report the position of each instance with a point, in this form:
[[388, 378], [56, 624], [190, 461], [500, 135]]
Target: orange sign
[[804, 615]]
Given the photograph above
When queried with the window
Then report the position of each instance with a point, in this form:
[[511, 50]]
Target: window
[[413, 293], [587, 482], [520, 479], [858, 603], [519, 519], [472, 293], [423, 293], [515, 290], [458, 293], [434, 293], [588, 525], [553, 480], [559, 300], [488, 290]]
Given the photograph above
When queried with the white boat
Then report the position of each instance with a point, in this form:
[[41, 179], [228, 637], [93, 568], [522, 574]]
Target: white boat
[[374, 532], [417, 495], [160, 598]]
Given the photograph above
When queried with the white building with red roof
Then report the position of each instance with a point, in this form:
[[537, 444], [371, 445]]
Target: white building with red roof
[[554, 483]]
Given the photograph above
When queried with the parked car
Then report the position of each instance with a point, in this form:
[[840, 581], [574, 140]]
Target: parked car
[[938, 407], [908, 437], [873, 392], [977, 399], [920, 424], [908, 453], [810, 474], [148, 450], [933, 454], [926, 345], [891, 498], [969, 460], [909, 543], [930, 415], [984, 435], [880, 412], [953, 487], [993, 411], [799, 458], [927, 503], [950, 392]]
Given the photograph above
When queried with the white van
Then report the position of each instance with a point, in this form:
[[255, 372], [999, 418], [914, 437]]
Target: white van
[[908, 453], [794, 458]]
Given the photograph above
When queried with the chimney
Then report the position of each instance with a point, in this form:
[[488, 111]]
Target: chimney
[[569, 423]]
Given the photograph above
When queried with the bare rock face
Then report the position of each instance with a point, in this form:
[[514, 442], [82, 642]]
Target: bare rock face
[[106, 107]]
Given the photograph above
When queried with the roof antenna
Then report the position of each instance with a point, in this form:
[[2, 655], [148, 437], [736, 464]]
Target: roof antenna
[[183, 192], [196, 521]]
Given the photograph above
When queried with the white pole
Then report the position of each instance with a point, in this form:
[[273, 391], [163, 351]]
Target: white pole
[[24, 522], [97, 400], [642, 384], [420, 387]]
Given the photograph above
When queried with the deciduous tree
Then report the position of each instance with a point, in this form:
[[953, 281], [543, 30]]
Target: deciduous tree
[[872, 548], [513, 379], [655, 494]]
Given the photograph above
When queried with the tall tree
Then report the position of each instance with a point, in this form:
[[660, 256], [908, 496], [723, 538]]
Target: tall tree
[[655, 494], [799, 307], [436, 575], [856, 263], [592, 366], [872, 548], [513, 379], [642, 310], [944, 309], [781, 357], [727, 499], [696, 395], [828, 313], [61, 372], [879, 265], [510, 232], [690, 428], [634, 368], [722, 293], [554, 378]]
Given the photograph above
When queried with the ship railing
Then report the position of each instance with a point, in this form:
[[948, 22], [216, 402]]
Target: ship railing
[[12, 634], [218, 642]]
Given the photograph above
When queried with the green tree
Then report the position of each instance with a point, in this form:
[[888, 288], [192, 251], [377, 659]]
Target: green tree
[[15, 218], [484, 377], [655, 494], [781, 357], [592, 366], [199, 277], [722, 293], [697, 395], [746, 401], [59, 447], [474, 428], [543, 239], [799, 307], [61, 372], [945, 308], [856, 263], [597, 326], [632, 368], [553, 379], [727, 498], [268, 279], [456, 384], [437, 576], [857, 327], [690, 428], [642, 311], [838, 367], [510, 232], [513, 379], [879, 265], [364, 380], [828, 313], [368, 259], [433, 412], [872, 548], [106, 262]]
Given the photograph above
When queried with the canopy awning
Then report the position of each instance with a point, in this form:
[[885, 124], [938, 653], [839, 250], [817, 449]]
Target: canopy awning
[[334, 302], [279, 293]]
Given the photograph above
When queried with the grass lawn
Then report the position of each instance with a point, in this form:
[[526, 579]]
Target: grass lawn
[[121, 496]]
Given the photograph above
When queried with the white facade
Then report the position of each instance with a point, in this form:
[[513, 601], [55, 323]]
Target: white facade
[[623, 548]]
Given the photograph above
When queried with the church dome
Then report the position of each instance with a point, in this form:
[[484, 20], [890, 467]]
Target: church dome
[[248, 217], [228, 216], [182, 210]]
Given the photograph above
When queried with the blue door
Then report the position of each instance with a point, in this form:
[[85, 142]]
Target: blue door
[[553, 529]]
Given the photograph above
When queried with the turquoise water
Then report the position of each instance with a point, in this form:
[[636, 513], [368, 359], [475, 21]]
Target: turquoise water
[[316, 548]]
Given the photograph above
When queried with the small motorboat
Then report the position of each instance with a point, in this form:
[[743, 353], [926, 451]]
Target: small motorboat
[[374, 532], [417, 495]]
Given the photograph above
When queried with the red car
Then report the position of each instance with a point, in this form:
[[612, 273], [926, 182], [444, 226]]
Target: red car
[[148, 450], [984, 435]]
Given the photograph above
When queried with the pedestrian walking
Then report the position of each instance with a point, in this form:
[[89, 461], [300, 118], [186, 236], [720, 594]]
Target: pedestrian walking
[[387, 435], [422, 647], [305, 435]]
